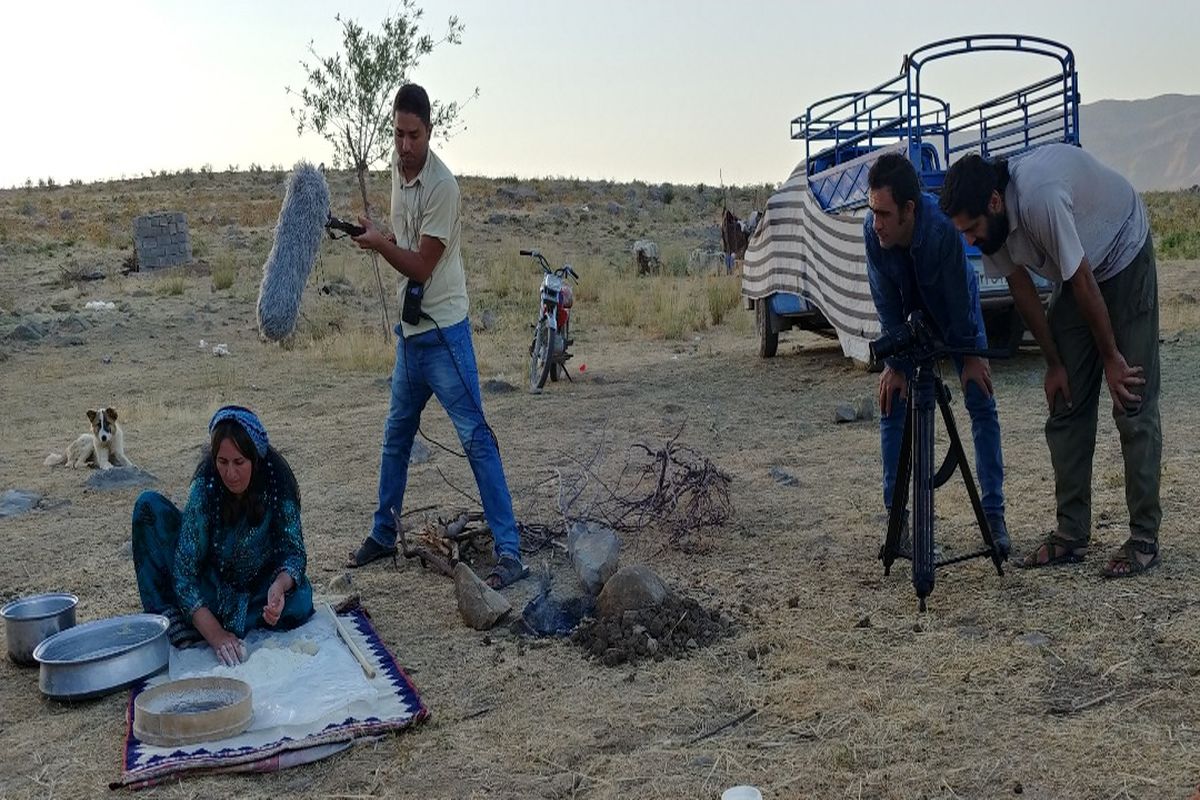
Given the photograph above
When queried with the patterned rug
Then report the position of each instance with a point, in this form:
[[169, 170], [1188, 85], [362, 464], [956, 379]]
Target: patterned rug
[[396, 706]]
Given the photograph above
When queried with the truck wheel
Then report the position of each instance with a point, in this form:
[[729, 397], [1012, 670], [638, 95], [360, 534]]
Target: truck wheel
[[768, 339]]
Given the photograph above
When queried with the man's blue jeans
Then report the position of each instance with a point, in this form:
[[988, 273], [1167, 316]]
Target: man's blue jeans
[[985, 429], [428, 366]]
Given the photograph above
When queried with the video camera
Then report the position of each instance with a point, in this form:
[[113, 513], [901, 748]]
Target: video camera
[[914, 340]]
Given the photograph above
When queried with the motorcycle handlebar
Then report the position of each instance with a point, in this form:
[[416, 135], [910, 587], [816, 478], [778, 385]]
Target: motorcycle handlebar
[[529, 252]]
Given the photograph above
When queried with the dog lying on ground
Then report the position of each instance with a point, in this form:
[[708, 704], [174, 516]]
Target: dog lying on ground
[[103, 447]]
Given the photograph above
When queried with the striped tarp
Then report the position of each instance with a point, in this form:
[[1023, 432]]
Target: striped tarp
[[801, 249]]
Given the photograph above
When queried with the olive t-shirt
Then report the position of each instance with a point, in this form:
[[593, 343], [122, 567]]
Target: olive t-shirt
[[429, 205]]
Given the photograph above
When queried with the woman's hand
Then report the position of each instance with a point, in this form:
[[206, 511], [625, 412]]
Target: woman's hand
[[228, 648], [282, 584]]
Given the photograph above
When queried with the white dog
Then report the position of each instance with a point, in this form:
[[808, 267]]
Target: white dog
[[103, 447]]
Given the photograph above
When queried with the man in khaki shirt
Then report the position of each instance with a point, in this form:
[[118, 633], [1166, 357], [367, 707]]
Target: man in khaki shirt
[[435, 355]]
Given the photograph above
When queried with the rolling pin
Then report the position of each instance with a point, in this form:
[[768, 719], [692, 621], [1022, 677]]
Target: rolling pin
[[367, 669]]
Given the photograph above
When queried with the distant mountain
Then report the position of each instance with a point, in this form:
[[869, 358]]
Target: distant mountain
[[1155, 143]]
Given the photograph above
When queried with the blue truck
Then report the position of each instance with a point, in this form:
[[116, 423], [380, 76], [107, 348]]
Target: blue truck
[[805, 266]]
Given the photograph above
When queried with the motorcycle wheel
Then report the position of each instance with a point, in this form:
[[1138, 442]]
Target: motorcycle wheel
[[539, 357]]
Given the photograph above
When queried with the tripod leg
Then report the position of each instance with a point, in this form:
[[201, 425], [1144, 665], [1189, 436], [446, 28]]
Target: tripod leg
[[921, 408], [957, 453], [891, 543]]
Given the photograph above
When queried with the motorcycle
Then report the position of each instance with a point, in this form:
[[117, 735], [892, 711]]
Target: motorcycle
[[551, 333]]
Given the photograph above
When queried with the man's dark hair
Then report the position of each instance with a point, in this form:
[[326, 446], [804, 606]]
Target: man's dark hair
[[412, 99], [896, 173], [969, 184]]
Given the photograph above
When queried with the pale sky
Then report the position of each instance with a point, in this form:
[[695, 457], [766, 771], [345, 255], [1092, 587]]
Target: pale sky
[[656, 90]]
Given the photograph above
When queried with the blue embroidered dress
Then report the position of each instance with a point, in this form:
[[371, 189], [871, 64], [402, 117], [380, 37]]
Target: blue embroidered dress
[[192, 559]]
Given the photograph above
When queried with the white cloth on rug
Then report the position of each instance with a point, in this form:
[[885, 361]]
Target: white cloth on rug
[[296, 677]]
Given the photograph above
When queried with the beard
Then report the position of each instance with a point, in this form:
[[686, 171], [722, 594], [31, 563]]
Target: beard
[[997, 234]]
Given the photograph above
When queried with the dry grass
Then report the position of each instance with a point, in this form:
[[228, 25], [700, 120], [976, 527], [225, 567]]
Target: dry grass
[[224, 273], [359, 349], [170, 285]]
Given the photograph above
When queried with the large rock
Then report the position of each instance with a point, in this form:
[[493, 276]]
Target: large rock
[[629, 589], [15, 502], [480, 605], [594, 550], [120, 478], [420, 453]]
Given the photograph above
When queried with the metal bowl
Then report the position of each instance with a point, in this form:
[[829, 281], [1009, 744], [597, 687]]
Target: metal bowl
[[29, 620], [99, 657]]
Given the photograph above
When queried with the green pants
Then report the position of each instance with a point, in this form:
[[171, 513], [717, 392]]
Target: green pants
[[1131, 297]]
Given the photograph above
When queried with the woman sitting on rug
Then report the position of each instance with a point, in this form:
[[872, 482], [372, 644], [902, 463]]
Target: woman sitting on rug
[[234, 559]]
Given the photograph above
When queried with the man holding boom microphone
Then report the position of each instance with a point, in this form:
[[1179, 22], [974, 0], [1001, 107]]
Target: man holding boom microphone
[[916, 261], [435, 355]]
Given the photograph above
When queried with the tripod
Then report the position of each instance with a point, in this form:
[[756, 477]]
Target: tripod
[[916, 461]]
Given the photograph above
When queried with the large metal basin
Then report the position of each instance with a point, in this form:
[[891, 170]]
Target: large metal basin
[[29, 620], [99, 657]]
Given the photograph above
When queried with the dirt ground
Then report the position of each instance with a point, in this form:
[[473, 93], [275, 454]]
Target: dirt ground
[[1048, 684]]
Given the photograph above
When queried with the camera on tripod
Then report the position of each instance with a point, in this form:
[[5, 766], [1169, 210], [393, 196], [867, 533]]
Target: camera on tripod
[[913, 340], [916, 343]]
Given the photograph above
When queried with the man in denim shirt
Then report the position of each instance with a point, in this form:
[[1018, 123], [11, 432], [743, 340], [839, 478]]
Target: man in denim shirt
[[916, 261]]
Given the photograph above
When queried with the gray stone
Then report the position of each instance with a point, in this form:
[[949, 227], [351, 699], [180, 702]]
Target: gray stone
[[495, 386], [783, 477], [105, 480], [594, 550], [341, 584], [487, 320], [860, 409], [480, 605], [73, 323], [1034, 639], [971, 633], [613, 208], [126, 551], [25, 332], [629, 589], [420, 453], [15, 502]]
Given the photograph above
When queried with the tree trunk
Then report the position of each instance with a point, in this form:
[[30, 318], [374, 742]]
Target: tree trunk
[[360, 167]]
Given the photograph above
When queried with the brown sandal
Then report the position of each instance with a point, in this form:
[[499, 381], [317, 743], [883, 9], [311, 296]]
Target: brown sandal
[[1125, 562], [1058, 550]]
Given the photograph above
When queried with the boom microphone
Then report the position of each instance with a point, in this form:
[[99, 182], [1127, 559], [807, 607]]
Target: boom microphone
[[297, 237]]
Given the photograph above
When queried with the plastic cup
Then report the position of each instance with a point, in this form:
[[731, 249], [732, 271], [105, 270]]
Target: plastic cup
[[742, 792]]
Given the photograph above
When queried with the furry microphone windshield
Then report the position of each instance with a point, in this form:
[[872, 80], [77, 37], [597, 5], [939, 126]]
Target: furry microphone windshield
[[297, 236]]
